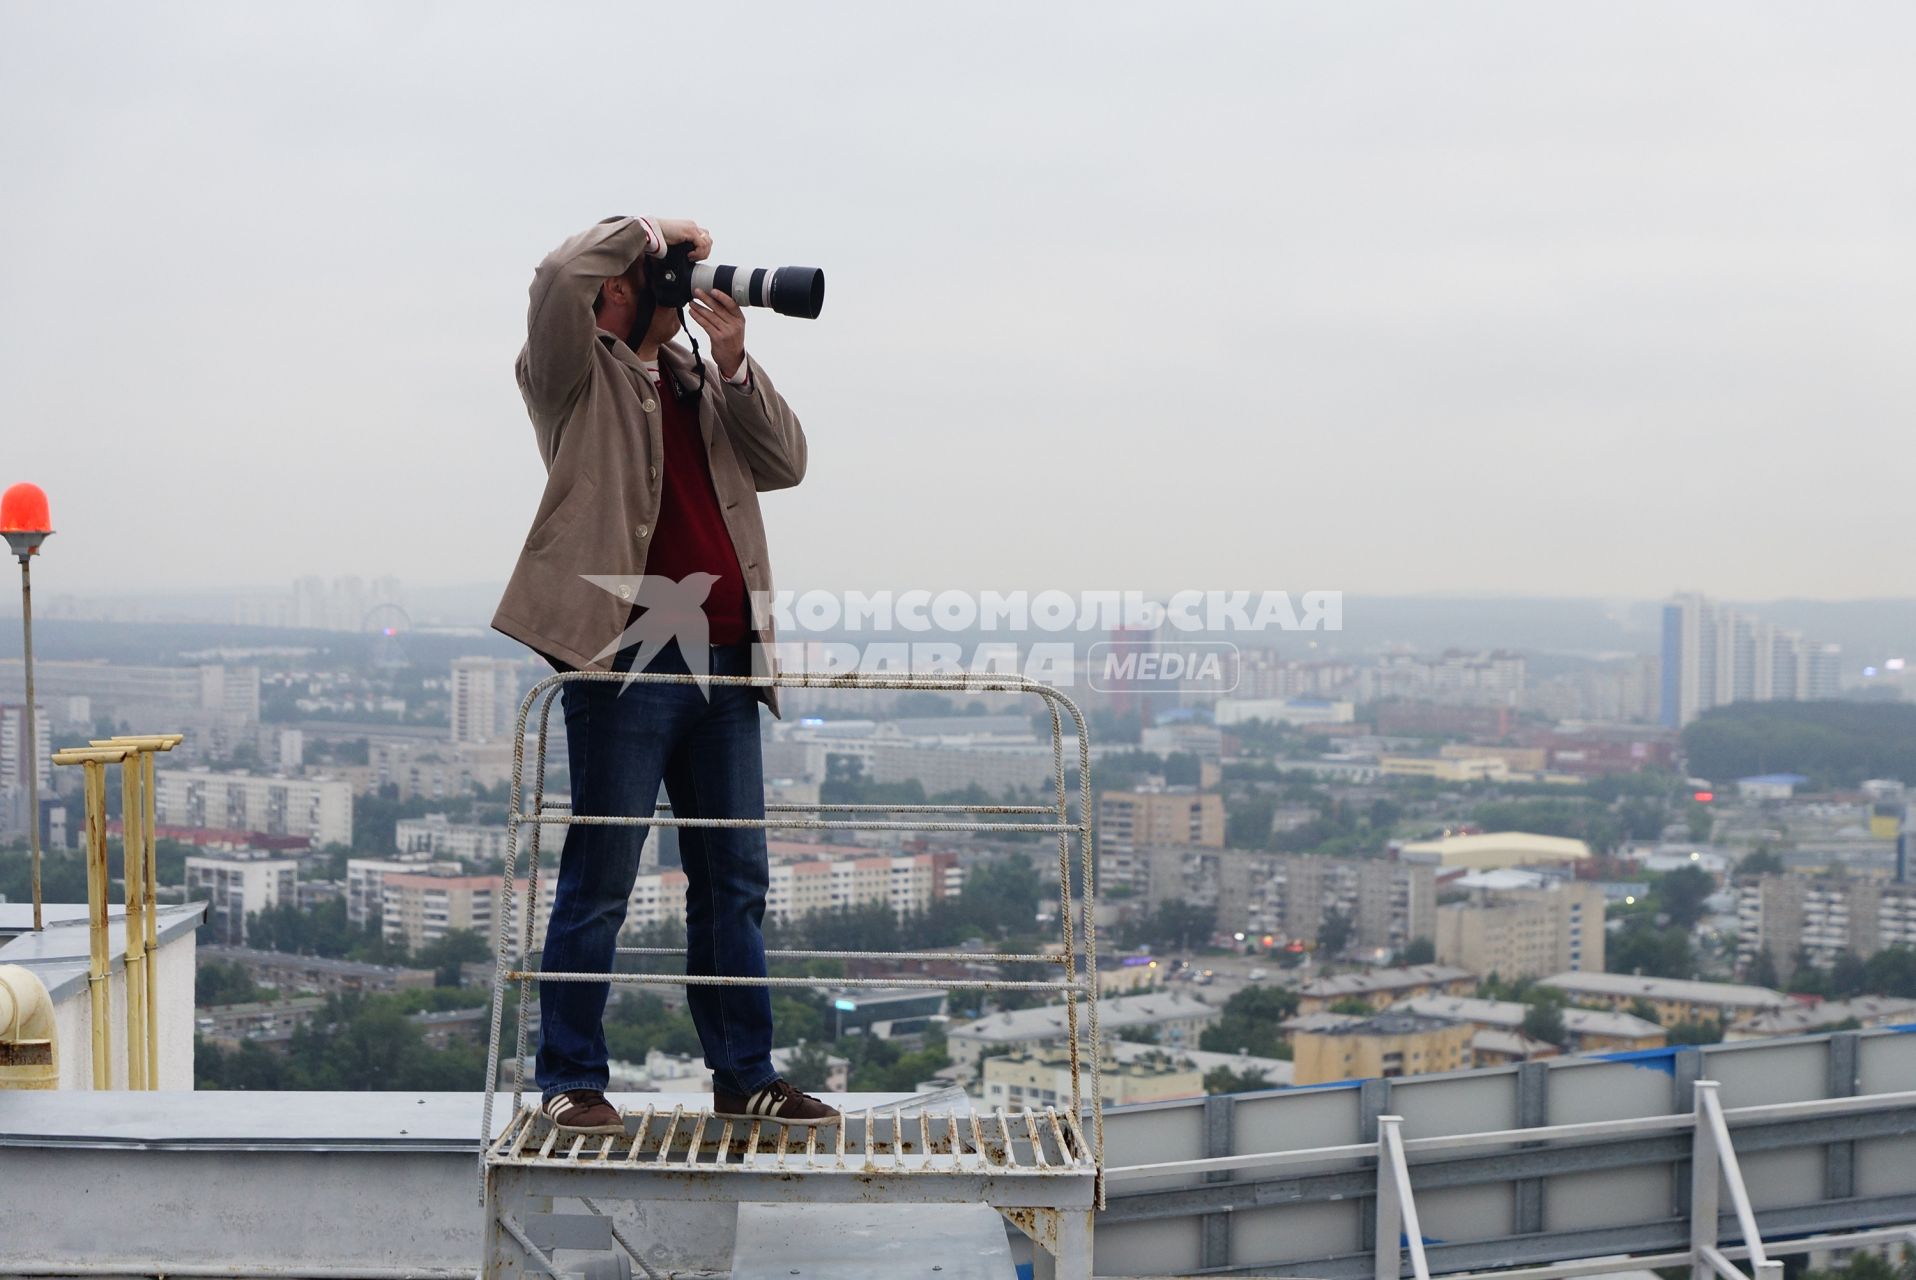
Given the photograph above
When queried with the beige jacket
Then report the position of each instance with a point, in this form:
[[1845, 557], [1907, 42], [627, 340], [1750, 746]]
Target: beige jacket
[[595, 415]]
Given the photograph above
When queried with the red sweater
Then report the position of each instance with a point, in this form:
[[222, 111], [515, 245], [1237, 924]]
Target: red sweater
[[690, 536]]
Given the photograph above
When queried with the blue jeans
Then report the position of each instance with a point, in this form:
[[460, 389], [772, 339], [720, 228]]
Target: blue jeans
[[623, 740]]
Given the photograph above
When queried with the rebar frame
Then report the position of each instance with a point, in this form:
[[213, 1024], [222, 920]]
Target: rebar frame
[[1078, 958]]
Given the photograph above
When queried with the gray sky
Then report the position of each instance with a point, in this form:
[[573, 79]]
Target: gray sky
[[1598, 298]]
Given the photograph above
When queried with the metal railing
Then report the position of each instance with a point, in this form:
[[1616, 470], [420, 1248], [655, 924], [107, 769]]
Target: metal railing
[[1714, 1167], [1078, 957]]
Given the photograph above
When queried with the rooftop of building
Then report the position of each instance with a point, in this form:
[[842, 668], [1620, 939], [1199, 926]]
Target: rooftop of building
[[1691, 990], [1499, 846], [1390, 1023], [1862, 1010], [59, 954], [314, 964], [1114, 1012], [1374, 980], [1510, 1013]]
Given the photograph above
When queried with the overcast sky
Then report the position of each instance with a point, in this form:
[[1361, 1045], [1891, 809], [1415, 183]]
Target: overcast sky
[[1602, 298]]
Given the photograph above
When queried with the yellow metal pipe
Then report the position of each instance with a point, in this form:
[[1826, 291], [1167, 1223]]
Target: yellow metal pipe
[[150, 932], [133, 846], [96, 876], [90, 755]]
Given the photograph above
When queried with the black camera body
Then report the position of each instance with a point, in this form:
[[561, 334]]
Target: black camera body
[[790, 291]]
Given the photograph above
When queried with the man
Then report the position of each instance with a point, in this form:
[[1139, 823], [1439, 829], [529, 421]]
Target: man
[[641, 557]]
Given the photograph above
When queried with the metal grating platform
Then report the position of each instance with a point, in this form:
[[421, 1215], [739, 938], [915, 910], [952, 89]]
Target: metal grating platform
[[1045, 1144]]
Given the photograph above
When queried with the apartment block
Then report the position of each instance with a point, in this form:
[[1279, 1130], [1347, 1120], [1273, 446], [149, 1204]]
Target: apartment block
[[1525, 933], [1381, 988], [236, 885], [485, 700], [319, 809], [1388, 1045], [366, 877], [1674, 999], [1286, 895], [1822, 917], [418, 909], [1133, 819], [1041, 1077]]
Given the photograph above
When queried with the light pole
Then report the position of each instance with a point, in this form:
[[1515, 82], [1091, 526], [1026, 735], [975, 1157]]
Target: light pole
[[24, 521]]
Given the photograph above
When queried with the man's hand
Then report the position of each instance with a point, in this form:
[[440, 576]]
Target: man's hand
[[724, 324], [681, 230]]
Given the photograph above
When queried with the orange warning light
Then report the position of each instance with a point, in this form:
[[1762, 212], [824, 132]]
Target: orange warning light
[[24, 519]]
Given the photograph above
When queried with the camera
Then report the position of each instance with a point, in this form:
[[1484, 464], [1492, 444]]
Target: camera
[[790, 291]]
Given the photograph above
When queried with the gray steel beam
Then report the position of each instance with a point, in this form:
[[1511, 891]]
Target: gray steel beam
[[1373, 1100], [1533, 1111], [1839, 1160], [1219, 1113]]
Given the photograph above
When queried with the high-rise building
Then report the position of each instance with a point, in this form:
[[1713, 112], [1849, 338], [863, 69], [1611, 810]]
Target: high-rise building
[[1525, 933], [1288, 896], [1179, 816], [237, 885], [1714, 655], [1819, 918], [420, 909], [320, 809], [16, 760], [485, 697]]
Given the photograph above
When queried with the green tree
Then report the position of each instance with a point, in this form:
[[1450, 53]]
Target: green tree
[[1681, 894], [1230, 1080], [1543, 1020], [1418, 951], [1334, 933], [1250, 1022], [1706, 1031], [222, 982], [1765, 861], [1640, 947]]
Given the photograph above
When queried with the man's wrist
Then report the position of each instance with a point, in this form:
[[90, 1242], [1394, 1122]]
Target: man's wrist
[[741, 376]]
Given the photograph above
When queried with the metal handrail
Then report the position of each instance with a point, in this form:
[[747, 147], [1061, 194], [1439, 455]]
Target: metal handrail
[[1079, 936]]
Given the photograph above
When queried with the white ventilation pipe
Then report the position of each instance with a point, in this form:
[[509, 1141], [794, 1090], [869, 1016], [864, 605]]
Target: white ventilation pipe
[[27, 1057]]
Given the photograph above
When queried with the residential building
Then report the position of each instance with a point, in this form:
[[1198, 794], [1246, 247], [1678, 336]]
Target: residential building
[[1525, 933], [1389, 1044], [1821, 917], [317, 975], [1174, 816], [1277, 1072], [1041, 1077], [267, 1023], [237, 885], [1714, 655], [205, 699], [418, 909], [485, 700], [1585, 1030], [320, 809], [19, 764], [1290, 711], [1674, 999], [1176, 1017], [1826, 1015], [365, 882], [1381, 988], [1287, 896]]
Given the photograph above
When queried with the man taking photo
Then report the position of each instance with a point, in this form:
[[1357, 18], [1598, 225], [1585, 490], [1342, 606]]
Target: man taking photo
[[642, 557]]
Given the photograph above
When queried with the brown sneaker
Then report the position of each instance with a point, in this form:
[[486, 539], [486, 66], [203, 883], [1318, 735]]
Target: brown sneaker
[[583, 1111], [778, 1102]]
